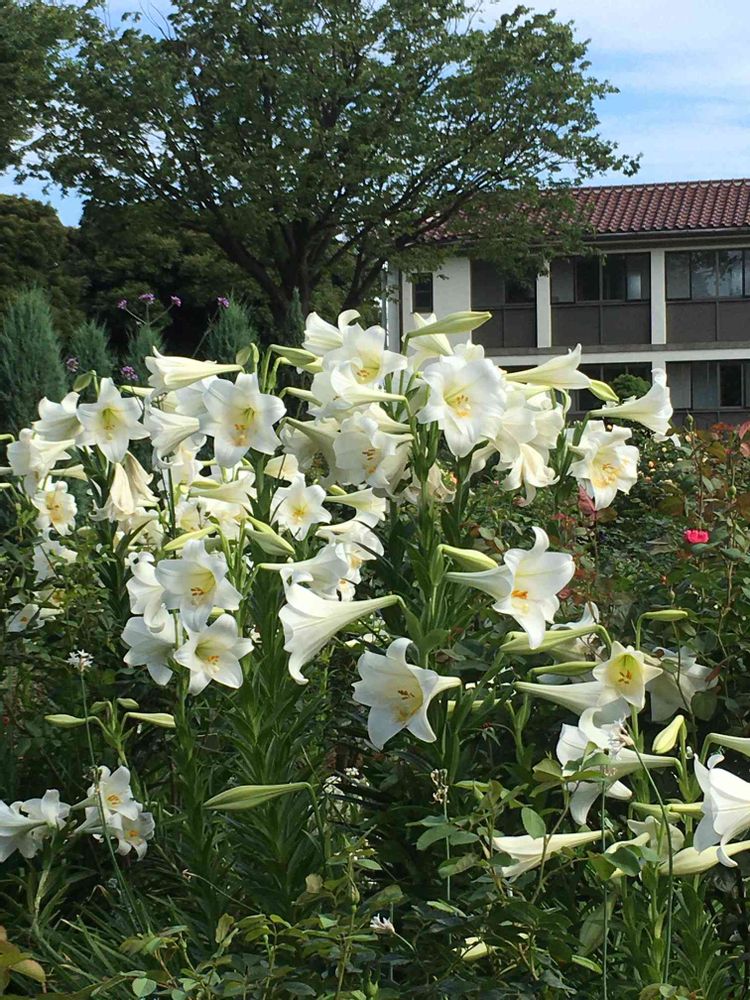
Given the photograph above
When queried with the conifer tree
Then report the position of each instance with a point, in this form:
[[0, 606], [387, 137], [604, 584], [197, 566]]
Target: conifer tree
[[230, 332], [89, 347]]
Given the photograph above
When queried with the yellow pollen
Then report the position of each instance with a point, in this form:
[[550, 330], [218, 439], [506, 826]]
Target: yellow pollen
[[299, 513], [522, 595], [460, 404], [113, 799], [625, 677]]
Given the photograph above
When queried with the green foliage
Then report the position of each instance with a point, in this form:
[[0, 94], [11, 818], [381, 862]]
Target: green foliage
[[140, 345], [285, 132], [37, 249], [30, 363], [230, 332], [627, 385], [89, 345]]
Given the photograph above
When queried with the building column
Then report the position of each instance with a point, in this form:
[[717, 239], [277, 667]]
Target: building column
[[392, 309], [658, 298], [543, 312]]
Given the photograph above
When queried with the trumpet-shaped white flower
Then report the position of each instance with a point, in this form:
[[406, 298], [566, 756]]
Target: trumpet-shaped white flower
[[575, 697], [298, 507], [21, 619], [326, 573], [528, 852], [151, 646], [726, 807], [606, 464], [129, 491], [144, 590], [561, 372], [310, 622], [169, 430], [133, 834], [321, 337], [366, 454], [25, 825], [526, 586], [169, 372], [398, 694], [196, 583], [59, 421], [112, 422], [363, 356], [625, 674], [111, 791], [682, 677], [32, 458], [241, 417], [49, 556], [466, 400], [57, 508], [692, 862], [528, 469], [654, 410], [369, 508], [359, 544], [214, 654]]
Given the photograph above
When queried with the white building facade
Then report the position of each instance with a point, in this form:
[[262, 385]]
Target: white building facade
[[669, 287]]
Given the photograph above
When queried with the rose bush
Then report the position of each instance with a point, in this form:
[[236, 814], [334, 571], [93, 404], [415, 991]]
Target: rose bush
[[280, 719]]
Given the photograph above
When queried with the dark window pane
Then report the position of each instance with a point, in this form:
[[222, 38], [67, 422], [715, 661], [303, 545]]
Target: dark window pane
[[422, 293], [747, 271], [703, 274], [639, 276], [614, 276], [730, 383], [587, 279], [517, 290], [730, 273], [705, 385], [678, 275], [487, 285], [561, 280]]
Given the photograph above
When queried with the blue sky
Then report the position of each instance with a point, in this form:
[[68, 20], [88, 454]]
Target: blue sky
[[682, 68]]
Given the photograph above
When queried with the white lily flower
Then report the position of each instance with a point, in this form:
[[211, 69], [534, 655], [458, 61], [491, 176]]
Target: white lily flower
[[561, 372], [59, 421], [528, 852], [112, 791], [49, 556], [369, 508], [576, 697], [363, 453], [466, 400], [284, 467], [144, 590], [214, 654], [112, 422], [625, 674], [310, 622], [298, 507], [169, 372], [32, 458], [363, 355], [151, 646], [21, 619], [169, 430], [132, 834], [25, 825], [358, 542], [241, 417], [528, 469], [326, 573], [57, 508], [196, 583], [654, 410], [321, 337], [653, 828], [692, 862], [606, 464], [726, 807], [129, 491], [682, 677], [398, 694], [526, 586]]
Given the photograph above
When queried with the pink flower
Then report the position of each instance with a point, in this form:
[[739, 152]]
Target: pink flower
[[223, 301], [175, 300], [695, 536]]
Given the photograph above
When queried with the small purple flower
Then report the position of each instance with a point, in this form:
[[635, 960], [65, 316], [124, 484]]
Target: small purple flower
[[72, 364], [122, 304], [223, 301], [147, 297], [129, 373], [175, 300]]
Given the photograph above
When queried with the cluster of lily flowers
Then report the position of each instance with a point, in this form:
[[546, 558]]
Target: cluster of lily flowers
[[218, 439], [109, 810]]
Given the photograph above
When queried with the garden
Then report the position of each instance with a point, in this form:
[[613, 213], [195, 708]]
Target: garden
[[341, 672]]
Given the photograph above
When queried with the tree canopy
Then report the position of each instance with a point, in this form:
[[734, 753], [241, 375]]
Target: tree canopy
[[311, 139]]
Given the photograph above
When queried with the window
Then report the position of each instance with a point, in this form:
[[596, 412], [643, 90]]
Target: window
[[490, 289], [730, 383], [519, 292], [708, 274], [612, 277], [422, 297]]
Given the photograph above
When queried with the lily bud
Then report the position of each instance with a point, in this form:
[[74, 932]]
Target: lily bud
[[250, 796], [162, 719], [603, 391], [267, 539], [68, 721], [666, 739], [667, 615], [470, 559], [179, 542], [739, 743], [453, 323]]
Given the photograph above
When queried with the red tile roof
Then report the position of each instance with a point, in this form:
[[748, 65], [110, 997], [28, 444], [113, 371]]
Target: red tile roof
[[687, 206]]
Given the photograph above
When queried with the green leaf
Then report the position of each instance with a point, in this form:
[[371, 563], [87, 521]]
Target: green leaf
[[533, 823], [83, 381], [587, 963], [143, 987], [435, 833], [627, 859], [457, 865]]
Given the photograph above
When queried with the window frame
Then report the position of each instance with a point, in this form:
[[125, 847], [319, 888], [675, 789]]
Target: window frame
[[601, 264], [422, 278]]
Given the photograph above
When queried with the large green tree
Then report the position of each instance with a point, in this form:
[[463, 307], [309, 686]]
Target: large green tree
[[37, 249], [310, 138]]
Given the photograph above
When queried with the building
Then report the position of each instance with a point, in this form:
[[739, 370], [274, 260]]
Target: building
[[670, 288]]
